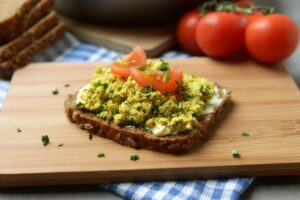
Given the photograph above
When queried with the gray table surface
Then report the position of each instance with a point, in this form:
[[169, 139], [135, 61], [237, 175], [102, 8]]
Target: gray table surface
[[275, 188]]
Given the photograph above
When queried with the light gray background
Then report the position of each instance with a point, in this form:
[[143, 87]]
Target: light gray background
[[263, 188]]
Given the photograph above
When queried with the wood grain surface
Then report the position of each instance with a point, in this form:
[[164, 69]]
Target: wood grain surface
[[154, 40], [265, 103]]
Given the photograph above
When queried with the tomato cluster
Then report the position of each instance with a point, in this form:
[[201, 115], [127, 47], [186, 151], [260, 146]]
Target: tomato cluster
[[267, 38]]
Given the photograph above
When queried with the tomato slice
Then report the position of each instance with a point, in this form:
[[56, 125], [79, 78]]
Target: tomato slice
[[158, 79], [136, 58]]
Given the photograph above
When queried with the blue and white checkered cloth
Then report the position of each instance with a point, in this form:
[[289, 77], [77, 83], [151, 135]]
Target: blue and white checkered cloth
[[70, 49]]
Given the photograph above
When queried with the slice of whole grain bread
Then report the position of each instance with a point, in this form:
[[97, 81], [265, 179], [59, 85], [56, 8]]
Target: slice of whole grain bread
[[21, 59], [138, 138], [19, 15], [35, 32], [12, 12]]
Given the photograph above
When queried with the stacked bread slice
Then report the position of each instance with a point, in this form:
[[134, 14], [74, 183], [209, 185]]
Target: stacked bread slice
[[26, 28]]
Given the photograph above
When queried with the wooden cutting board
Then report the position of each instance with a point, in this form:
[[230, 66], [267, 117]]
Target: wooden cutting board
[[265, 103], [154, 40]]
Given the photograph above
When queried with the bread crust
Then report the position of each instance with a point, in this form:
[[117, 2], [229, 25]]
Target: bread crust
[[41, 9], [22, 58], [42, 27], [30, 12], [138, 138]]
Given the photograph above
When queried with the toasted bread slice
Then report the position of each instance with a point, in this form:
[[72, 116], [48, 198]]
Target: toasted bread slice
[[138, 138], [35, 32], [21, 59], [19, 15]]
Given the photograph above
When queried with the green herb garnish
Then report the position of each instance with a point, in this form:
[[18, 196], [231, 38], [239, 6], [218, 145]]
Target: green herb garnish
[[98, 84], [186, 97], [19, 130], [230, 139], [79, 105], [244, 133], [154, 110], [148, 89], [111, 92], [67, 85], [55, 92], [134, 157], [142, 68], [168, 114], [101, 109], [204, 90], [235, 153], [45, 139], [90, 136], [132, 91], [166, 77], [60, 145], [145, 128], [164, 66], [100, 155]]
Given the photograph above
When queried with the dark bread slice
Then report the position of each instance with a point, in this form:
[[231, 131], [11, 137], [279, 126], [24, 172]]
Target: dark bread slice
[[26, 14], [22, 58], [38, 12], [138, 138], [12, 13], [35, 32]]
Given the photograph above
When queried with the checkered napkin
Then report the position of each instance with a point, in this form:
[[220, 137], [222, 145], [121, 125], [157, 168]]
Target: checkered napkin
[[70, 49]]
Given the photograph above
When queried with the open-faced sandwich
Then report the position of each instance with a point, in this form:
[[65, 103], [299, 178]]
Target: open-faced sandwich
[[147, 104]]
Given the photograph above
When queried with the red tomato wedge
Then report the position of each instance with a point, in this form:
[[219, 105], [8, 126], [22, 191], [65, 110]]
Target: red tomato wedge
[[158, 79], [136, 58]]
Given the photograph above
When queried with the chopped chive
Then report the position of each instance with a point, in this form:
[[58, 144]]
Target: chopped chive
[[204, 90], [186, 97], [90, 136], [98, 84], [79, 105], [148, 89], [166, 77], [164, 66], [67, 85], [235, 153], [45, 139], [134, 157], [152, 89], [111, 92], [168, 114], [101, 108], [244, 133], [55, 92], [100, 155], [230, 139], [142, 68], [19, 130], [60, 145]]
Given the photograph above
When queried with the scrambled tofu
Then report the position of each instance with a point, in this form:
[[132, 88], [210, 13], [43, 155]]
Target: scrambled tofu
[[123, 102]]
